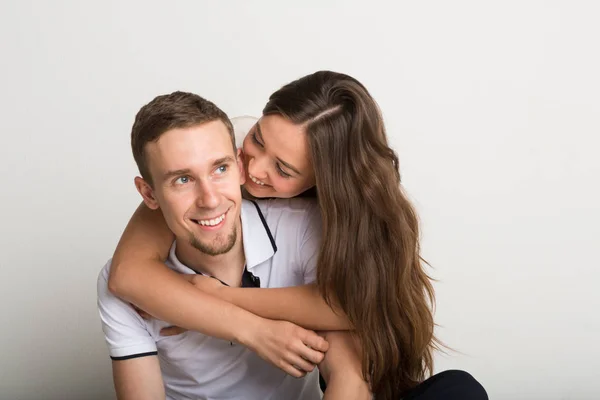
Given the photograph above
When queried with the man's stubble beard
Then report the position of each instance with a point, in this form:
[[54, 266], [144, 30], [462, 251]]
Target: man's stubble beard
[[212, 250]]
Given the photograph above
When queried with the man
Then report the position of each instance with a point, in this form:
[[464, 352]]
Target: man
[[185, 151]]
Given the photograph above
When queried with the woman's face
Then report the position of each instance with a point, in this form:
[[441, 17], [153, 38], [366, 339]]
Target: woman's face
[[276, 159]]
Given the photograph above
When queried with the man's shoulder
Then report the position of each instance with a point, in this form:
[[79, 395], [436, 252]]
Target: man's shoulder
[[105, 271], [293, 205], [103, 275]]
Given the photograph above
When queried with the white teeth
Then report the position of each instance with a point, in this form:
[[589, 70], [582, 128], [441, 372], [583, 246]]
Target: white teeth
[[212, 222], [256, 180]]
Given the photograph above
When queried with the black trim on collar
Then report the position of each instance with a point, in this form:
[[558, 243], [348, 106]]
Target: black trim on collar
[[151, 353], [264, 222], [248, 279]]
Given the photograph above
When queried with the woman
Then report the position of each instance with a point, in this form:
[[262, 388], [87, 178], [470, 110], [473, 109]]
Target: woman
[[324, 135]]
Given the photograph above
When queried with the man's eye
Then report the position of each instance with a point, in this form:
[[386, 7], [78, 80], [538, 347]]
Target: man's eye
[[222, 169], [182, 180]]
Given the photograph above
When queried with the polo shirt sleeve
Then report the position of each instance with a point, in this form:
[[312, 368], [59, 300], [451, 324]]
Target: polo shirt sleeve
[[124, 330], [310, 242]]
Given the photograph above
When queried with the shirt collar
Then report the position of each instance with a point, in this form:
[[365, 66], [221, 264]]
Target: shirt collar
[[259, 245]]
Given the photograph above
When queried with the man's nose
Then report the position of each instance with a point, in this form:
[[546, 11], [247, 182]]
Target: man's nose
[[208, 196]]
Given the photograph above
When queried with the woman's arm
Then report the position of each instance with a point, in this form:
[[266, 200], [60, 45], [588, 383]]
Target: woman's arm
[[146, 240], [139, 276], [341, 369], [302, 305], [347, 387]]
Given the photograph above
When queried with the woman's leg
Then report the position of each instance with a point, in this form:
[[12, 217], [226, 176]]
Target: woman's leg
[[448, 385]]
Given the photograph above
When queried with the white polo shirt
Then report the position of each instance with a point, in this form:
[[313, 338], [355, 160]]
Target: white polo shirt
[[281, 241]]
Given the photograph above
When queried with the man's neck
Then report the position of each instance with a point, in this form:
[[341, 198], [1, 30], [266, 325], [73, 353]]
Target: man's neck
[[227, 267]]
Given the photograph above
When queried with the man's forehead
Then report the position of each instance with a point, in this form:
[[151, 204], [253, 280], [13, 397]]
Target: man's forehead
[[191, 149]]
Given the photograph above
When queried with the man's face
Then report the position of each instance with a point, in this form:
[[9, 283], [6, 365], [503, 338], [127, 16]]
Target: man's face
[[197, 179]]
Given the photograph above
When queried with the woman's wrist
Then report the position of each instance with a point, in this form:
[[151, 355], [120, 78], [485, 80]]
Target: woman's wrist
[[247, 329]]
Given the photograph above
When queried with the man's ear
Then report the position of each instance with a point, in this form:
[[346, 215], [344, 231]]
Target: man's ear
[[147, 192], [240, 162]]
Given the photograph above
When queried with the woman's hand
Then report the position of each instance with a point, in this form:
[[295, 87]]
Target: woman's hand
[[289, 347]]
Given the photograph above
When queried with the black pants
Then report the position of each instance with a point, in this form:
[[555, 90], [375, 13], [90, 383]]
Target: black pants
[[447, 385]]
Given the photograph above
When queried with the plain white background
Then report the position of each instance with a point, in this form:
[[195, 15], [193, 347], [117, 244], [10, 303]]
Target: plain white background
[[493, 108]]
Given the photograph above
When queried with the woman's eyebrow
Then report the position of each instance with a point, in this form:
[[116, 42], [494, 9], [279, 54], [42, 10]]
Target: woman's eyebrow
[[285, 164]]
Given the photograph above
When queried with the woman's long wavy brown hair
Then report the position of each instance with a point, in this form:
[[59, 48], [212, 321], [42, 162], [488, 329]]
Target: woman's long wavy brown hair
[[369, 263]]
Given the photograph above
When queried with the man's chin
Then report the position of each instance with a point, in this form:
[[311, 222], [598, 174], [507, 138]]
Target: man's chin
[[215, 248]]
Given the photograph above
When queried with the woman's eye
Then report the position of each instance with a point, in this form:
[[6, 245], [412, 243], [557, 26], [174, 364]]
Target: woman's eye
[[255, 140], [282, 172]]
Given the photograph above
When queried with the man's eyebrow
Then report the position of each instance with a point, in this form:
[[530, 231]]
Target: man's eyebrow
[[187, 171], [285, 164], [176, 172], [223, 160]]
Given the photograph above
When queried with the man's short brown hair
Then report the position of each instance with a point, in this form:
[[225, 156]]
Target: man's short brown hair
[[171, 111]]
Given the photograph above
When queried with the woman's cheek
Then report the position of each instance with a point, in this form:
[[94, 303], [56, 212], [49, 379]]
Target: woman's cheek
[[286, 188]]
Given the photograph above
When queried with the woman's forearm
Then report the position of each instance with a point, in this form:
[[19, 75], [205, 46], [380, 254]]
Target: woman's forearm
[[341, 368], [166, 295], [138, 275], [302, 305]]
